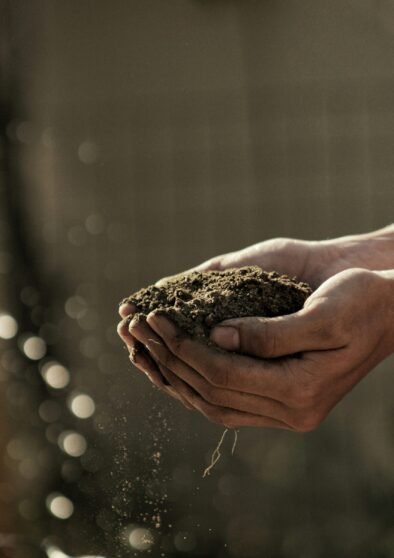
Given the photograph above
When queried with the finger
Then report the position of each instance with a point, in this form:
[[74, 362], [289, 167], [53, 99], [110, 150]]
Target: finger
[[239, 401], [145, 335], [225, 370], [136, 350], [139, 328], [222, 415], [134, 346], [124, 333], [164, 280], [127, 308], [269, 258], [305, 330], [178, 394], [209, 265], [213, 264], [142, 360]]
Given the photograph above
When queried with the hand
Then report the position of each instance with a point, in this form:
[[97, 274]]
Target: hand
[[138, 354], [312, 261], [344, 330], [308, 261]]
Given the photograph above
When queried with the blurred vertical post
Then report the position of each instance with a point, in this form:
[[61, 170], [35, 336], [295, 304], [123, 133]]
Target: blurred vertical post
[[7, 513]]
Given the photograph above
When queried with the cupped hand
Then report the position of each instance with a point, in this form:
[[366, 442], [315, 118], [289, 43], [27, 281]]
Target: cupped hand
[[281, 254], [307, 260], [310, 261], [292, 369]]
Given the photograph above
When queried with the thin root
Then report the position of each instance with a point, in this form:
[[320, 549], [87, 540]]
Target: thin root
[[216, 455], [235, 441]]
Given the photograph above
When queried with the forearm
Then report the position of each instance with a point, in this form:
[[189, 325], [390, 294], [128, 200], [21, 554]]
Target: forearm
[[373, 250]]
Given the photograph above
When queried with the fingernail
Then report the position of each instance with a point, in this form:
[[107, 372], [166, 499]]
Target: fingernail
[[135, 320], [226, 337], [159, 323]]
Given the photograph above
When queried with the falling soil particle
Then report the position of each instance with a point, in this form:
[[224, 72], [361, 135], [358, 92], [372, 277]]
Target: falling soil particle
[[197, 301]]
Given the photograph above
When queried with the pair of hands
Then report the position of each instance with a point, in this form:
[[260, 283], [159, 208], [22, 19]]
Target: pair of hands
[[285, 372]]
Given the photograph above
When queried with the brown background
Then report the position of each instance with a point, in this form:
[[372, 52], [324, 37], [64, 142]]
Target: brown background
[[150, 135]]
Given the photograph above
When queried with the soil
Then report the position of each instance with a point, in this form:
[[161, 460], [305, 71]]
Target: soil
[[197, 301]]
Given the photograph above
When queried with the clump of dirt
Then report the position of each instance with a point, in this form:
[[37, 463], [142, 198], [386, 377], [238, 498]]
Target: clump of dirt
[[197, 301]]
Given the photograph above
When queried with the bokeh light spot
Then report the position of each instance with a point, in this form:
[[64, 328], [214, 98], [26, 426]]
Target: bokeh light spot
[[55, 375], [94, 223], [29, 296], [47, 137], [54, 552], [72, 443], [82, 405], [141, 538], [25, 132], [76, 307], [16, 448], [88, 152], [29, 468], [8, 326], [59, 506], [49, 411], [90, 346], [34, 347]]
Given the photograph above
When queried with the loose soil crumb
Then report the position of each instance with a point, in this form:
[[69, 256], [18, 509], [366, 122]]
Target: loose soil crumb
[[197, 301]]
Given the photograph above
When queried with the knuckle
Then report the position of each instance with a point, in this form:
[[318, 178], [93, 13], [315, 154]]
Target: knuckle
[[329, 330], [270, 343], [265, 340], [325, 326]]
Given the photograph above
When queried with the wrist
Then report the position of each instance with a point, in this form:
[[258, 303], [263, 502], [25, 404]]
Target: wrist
[[374, 251], [387, 292]]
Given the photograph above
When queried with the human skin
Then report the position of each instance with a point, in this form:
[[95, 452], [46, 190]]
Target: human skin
[[290, 371]]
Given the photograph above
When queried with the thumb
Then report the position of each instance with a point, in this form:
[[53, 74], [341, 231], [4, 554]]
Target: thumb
[[274, 337]]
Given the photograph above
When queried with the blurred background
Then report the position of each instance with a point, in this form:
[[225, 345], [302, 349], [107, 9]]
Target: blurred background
[[139, 138]]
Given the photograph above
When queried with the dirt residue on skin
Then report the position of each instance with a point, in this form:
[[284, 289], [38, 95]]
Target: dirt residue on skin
[[197, 301]]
